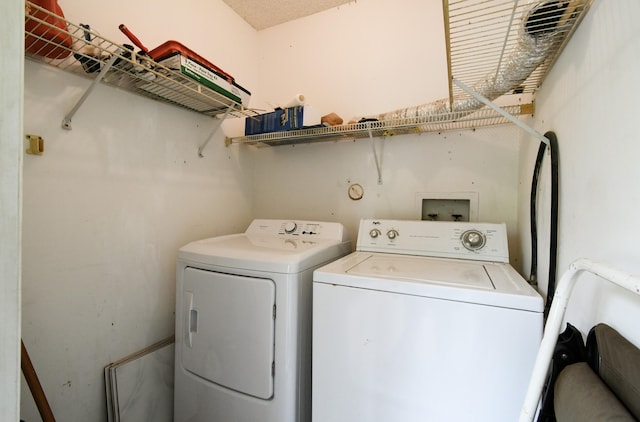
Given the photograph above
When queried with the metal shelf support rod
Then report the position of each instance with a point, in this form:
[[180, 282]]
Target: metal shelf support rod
[[447, 39], [216, 126], [512, 118], [375, 154], [66, 122], [506, 39]]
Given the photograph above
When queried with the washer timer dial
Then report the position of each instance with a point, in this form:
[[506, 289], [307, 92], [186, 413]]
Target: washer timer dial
[[473, 239]]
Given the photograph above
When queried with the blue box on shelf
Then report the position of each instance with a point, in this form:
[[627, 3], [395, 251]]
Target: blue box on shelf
[[290, 118]]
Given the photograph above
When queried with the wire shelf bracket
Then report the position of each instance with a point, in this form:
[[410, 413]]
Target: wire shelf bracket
[[502, 112], [216, 126], [66, 121], [376, 157]]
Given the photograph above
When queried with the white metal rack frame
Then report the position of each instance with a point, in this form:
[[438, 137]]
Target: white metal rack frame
[[92, 56]]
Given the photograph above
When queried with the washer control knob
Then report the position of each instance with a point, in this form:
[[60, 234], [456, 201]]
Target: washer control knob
[[290, 227], [374, 233], [392, 234], [473, 240]]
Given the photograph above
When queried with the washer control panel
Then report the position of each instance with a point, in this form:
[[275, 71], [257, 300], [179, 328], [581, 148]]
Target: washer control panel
[[445, 239]]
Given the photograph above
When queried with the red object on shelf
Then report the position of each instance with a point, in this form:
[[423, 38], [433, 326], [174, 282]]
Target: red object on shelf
[[50, 39], [170, 48]]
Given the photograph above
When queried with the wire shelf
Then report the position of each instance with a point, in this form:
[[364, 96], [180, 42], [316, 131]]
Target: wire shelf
[[84, 52], [480, 34], [432, 123], [495, 49], [483, 35]]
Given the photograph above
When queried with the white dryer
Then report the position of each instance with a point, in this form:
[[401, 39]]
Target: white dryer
[[426, 321], [243, 321]]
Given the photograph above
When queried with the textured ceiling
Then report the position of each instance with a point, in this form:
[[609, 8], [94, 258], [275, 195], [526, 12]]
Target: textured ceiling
[[262, 14]]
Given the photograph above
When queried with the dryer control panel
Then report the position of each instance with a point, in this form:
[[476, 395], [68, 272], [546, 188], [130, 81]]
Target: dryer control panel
[[298, 229], [444, 239]]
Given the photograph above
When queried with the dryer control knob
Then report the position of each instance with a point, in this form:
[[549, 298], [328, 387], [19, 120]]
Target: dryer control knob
[[374, 233], [392, 234], [290, 227], [473, 240]]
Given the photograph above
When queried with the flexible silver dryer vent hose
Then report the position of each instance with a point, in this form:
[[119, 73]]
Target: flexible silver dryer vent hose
[[541, 33]]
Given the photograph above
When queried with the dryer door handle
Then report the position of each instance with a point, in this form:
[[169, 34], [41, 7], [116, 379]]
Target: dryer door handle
[[191, 318]]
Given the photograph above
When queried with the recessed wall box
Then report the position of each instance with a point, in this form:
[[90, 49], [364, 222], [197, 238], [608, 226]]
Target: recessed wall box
[[447, 206]]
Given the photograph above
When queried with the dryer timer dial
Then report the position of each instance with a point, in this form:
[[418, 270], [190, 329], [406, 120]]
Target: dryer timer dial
[[290, 227], [473, 240]]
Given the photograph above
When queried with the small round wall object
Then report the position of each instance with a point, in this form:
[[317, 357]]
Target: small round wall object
[[356, 191]]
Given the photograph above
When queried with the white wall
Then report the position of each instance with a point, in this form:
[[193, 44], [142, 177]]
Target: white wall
[[311, 181], [361, 58], [588, 100], [11, 51], [110, 202], [365, 58]]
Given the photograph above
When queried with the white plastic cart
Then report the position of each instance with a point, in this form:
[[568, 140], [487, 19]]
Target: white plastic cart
[[555, 318]]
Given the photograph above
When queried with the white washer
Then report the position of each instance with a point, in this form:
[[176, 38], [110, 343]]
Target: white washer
[[243, 321], [426, 321]]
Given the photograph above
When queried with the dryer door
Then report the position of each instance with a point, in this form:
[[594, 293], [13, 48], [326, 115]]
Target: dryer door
[[229, 330]]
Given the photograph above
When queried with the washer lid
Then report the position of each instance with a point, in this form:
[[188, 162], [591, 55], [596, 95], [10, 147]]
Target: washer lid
[[479, 282], [410, 269]]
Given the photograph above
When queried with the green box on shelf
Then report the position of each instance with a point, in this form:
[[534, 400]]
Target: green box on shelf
[[208, 78]]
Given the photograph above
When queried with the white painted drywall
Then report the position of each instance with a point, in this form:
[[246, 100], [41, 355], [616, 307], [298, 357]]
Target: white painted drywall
[[589, 101], [109, 203], [11, 64], [311, 181], [361, 58]]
